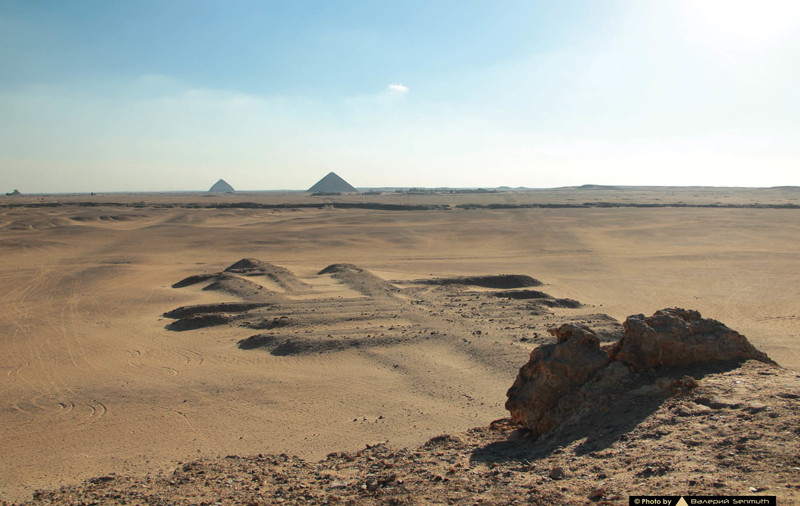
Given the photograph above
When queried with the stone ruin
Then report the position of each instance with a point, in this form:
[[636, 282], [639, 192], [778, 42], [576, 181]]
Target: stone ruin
[[568, 378]]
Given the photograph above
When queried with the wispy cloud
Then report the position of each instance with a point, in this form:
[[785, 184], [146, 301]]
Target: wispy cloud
[[398, 88]]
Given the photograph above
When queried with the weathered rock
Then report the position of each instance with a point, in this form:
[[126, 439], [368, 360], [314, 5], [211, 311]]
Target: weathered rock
[[556, 473], [554, 373], [570, 378], [677, 337]]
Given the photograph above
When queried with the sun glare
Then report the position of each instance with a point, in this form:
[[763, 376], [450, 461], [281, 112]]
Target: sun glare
[[740, 25]]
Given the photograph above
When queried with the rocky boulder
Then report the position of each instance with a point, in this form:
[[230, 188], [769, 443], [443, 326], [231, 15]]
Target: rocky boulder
[[572, 376], [676, 337], [553, 375]]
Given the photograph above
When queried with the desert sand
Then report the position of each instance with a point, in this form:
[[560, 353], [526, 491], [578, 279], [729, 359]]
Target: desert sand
[[402, 341]]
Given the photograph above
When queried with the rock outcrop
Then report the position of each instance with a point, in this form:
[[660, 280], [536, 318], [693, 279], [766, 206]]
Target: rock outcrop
[[570, 377], [676, 337], [554, 373]]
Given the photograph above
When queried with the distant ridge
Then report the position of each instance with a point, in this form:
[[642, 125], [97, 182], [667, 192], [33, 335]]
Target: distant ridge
[[597, 187], [221, 187], [332, 184]]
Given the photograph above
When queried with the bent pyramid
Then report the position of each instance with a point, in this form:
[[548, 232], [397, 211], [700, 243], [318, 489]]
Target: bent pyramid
[[221, 187], [332, 184]]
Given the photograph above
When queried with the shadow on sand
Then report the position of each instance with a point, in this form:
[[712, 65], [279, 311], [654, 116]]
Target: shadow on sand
[[606, 419]]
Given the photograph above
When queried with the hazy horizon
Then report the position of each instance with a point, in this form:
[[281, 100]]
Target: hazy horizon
[[390, 188], [153, 96]]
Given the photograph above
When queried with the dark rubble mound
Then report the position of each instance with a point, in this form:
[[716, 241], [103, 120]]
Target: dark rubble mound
[[283, 346], [563, 303], [537, 297], [504, 281], [221, 307], [199, 322], [522, 294]]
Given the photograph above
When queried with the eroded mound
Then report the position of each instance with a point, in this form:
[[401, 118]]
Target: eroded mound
[[552, 302], [240, 287], [359, 279], [199, 321], [337, 268], [322, 319], [232, 284], [523, 294], [229, 283], [281, 346], [280, 275], [247, 265], [222, 307], [194, 279], [575, 377], [539, 298], [492, 281]]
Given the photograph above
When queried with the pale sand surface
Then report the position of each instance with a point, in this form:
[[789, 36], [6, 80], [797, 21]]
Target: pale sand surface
[[91, 382]]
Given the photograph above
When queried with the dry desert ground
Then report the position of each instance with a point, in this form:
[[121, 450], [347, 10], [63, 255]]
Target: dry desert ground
[[358, 324]]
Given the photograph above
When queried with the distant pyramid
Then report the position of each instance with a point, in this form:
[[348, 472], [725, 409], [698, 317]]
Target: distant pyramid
[[221, 187], [332, 184]]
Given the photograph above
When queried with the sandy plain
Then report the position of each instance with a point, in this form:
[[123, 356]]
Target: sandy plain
[[92, 382]]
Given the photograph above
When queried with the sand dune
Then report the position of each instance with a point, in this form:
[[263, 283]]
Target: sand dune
[[93, 381]]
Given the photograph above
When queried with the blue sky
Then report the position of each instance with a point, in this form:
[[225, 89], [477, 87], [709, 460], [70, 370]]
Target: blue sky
[[173, 95]]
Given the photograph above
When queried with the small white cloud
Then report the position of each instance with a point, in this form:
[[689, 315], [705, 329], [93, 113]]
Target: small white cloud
[[398, 88]]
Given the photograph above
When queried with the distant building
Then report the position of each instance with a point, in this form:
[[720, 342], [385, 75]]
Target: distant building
[[332, 184], [221, 187]]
